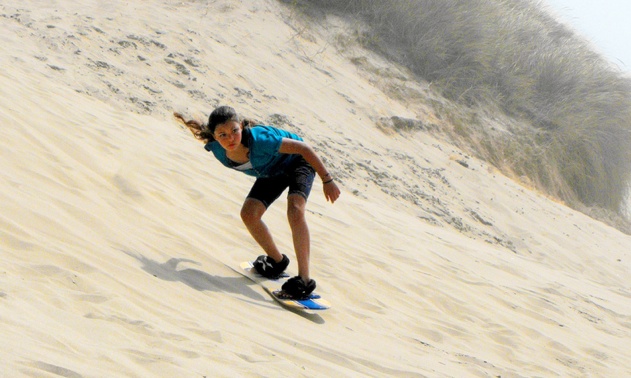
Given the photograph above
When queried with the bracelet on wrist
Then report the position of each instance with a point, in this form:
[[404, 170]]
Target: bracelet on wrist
[[327, 182]]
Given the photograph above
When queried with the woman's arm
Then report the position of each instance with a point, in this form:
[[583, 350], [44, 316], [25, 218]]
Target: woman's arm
[[291, 146]]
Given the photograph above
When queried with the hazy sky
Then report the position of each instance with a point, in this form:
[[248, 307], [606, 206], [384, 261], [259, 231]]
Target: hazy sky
[[605, 23]]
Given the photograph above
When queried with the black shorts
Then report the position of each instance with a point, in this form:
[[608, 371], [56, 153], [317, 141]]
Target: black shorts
[[298, 178]]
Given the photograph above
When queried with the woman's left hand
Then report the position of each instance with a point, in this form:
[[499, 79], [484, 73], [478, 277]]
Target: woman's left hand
[[331, 191]]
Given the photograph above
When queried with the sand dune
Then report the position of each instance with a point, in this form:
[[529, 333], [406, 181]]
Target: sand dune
[[119, 233]]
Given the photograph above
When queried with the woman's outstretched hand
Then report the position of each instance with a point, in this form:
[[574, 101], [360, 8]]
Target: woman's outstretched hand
[[331, 191]]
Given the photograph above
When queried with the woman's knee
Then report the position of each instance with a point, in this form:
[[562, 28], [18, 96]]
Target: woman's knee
[[252, 211], [296, 207]]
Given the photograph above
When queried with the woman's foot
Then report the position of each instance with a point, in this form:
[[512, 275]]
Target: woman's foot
[[296, 287], [268, 268]]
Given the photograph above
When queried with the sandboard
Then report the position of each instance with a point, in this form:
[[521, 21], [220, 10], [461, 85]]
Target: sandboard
[[273, 286]]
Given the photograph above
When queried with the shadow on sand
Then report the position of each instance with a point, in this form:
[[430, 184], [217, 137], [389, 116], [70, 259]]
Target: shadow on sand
[[203, 281], [195, 278]]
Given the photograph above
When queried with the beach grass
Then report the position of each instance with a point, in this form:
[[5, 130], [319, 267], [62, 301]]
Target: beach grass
[[516, 56]]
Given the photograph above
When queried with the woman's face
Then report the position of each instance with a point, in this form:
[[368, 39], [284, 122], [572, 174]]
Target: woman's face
[[228, 135]]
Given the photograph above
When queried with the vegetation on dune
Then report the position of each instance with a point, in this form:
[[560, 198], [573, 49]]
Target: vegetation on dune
[[514, 55]]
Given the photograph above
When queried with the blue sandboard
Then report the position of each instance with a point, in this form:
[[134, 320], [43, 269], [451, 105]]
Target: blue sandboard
[[273, 286]]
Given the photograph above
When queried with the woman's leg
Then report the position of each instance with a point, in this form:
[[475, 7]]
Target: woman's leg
[[252, 214], [296, 205]]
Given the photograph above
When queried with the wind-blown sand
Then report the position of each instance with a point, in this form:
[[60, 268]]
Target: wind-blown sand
[[119, 233]]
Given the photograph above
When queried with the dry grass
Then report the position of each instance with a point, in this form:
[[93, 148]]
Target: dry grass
[[514, 55]]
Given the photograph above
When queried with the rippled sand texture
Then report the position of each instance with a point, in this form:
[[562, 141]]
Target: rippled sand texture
[[119, 233]]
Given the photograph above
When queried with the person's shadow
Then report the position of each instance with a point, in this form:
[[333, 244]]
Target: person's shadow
[[203, 281], [194, 278]]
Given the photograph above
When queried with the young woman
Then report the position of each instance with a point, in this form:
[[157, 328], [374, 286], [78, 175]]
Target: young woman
[[279, 160]]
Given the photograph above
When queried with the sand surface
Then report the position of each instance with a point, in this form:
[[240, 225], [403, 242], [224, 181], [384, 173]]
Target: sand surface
[[119, 233]]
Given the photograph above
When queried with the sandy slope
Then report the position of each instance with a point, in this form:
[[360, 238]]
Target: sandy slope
[[118, 233]]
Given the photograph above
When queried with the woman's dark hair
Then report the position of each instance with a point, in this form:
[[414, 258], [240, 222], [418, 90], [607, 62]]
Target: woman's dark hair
[[221, 115]]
